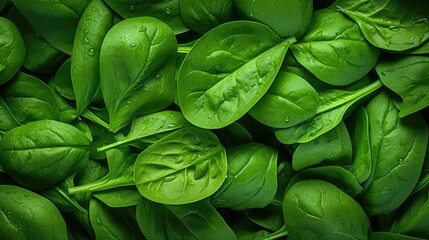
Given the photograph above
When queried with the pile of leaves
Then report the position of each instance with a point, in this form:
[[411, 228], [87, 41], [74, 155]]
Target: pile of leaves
[[228, 119]]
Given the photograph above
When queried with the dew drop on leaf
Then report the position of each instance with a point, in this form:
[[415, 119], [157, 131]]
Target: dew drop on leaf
[[287, 119], [168, 11], [169, 178], [85, 41], [143, 29], [91, 52]]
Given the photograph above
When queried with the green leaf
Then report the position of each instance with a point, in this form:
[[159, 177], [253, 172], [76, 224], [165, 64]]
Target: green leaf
[[91, 30], [407, 76], [167, 11], [49, 150], [183, 167], [149, 125], [333, 104], [289, 101], [29, 99], [251, 181], [398, 148], [55, 20], [339, 54], [137, 71], [395, 25], [227, 71]]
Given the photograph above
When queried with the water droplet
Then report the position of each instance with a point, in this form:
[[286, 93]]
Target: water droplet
[[171, 125], [169, 178], [132, 8], [287, 119], [98, 220], [158, 75], [91, 52], [143, 29], [85, 41], [251, 13], [168, 11], [129, 102], [133, 45], [401, 161]]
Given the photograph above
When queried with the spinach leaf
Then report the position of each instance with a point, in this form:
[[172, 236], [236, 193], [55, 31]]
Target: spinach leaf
[[202, 220], [331, 148], [7, 119], [198, 220], [183, 167], [270, 217], [137, 71], [398, 148], [55, 20], [40, 56], [167, 11], [27, 215], [121, 167], [289, 101], [12, 50], [391, 236], [149, 125], [119, 197], [60, 197], [202, 16], [395, 25], [62, 81], [408, 77], [41, 154], [336, 175], [359, 129], [107, 224], [276, 13], [29, 99], [251, 181], [339, 55], [315, 209], [227, 71], [91, 30], [412, 217], [333, 104], [156, 222]]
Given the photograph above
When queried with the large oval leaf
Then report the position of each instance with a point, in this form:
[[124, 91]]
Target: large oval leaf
[[42, 153], [183, 167], [339, 54], [137, 69], [227, 71], [167, 11], [55, 20], [30, 99], [395, 25]]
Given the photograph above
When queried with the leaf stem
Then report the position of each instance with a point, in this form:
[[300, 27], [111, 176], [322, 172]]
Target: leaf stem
[[353, 96], [183, 49], [277, 234], [103, 184], [94, 118]]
